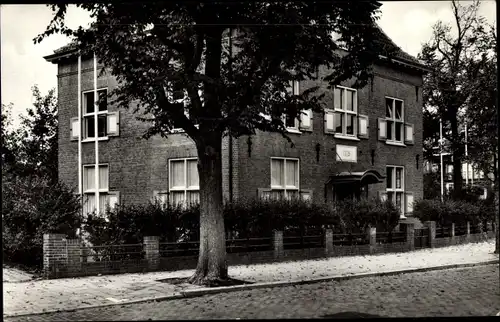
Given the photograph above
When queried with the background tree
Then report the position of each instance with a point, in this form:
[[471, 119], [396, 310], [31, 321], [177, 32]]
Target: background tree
[[157, 48], [482, 114], [447, 89], [33, 202]]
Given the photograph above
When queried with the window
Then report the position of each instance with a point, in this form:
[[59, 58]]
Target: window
[[284, 178], [89, 114], [184, 187], [394, 114], [292, 123], [346, 109], [395, 186], [106, 198]]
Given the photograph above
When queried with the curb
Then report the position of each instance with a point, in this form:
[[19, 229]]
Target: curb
[[227, 289]]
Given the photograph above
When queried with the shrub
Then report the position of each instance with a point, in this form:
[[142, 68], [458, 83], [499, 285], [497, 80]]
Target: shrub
[[243, 219], [32, 207], [454, 211]]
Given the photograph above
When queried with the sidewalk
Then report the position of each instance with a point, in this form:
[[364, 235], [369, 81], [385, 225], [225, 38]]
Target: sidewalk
[[72, 293]]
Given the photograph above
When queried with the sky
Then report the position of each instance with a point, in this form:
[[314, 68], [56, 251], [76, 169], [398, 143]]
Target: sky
[[407, 23]]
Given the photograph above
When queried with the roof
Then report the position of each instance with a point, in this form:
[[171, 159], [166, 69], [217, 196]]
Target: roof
[[398, 54], [368, 177]]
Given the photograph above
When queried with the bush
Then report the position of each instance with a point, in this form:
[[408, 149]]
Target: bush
[[454, 211], [243, 219], [32, 207]]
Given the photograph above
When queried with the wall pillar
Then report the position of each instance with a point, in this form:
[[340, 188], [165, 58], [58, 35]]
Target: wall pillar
[[371, 235], [452, 233], [431, 226], [278, 244], [409, 229], [74, 256], [329, 242], [54, 255], [152, 251]]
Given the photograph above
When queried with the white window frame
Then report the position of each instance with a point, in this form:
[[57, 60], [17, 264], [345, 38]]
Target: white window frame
[[394, 120], [185, 189], [86, 116], [285, 188], [186, 112], [395, 190], [294, 85], [343, 112], [102, 191]]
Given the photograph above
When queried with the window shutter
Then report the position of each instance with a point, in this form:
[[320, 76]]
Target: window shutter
[[382, 195], [74, 129], [329, 121], [264, 194], [114, 123], [306, 194], [382, 129], [306, 119], [114, 199], [363, 126], [409, 203], [408, 133]]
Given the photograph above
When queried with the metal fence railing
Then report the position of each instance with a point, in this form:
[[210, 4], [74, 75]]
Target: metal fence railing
[[389, 238], [113, 253], [350, 239]]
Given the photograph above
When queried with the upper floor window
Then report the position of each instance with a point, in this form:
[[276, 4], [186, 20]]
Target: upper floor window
[[184, 185], [394, 114], [346, 109], [90, 113], [292, 123]]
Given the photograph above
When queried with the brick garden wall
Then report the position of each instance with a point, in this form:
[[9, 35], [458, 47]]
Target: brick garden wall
[[66, 257]]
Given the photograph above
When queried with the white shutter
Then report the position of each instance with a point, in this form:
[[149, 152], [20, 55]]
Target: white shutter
[[382, 195], [306, 195], [114, 123], [114, 199], [74, 129], [363, 126], [329, 121], [264, 194], [382, 129], [306, 117], [409, 203], [409, 133]]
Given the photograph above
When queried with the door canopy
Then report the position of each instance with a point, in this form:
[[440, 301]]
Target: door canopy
[[364, 178]]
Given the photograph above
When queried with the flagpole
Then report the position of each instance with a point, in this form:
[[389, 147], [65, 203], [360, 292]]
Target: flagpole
[[441, 156]]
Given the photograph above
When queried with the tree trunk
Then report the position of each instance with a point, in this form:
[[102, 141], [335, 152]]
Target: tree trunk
[[497, 221], [212, 265]]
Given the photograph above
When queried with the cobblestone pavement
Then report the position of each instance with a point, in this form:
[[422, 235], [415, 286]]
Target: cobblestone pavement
[[454, 292]]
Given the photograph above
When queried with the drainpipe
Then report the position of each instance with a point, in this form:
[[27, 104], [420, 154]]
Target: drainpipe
[[96, 137], [230, 136], [80, 188]]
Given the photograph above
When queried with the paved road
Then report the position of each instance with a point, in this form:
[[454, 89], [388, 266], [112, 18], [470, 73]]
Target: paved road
[[455, 292]]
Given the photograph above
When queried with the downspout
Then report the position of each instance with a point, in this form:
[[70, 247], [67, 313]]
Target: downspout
[[230, 136], [80, 187], [96, 137]]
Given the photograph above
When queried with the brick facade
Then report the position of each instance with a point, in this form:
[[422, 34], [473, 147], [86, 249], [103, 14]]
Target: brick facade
[[138, 167]]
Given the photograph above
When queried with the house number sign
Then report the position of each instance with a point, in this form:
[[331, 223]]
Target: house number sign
[[346, 153]]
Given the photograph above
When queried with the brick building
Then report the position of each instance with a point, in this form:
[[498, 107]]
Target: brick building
[[366, 143]]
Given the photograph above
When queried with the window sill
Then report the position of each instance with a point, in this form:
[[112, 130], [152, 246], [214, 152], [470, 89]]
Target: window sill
[[104, 138], [395, 143], [403, 217], [295, 131], [345, 137]]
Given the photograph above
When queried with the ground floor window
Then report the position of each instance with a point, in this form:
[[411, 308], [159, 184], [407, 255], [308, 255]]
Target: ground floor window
[[184, 187], [395, 186], [284, 178], [106, 197]]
